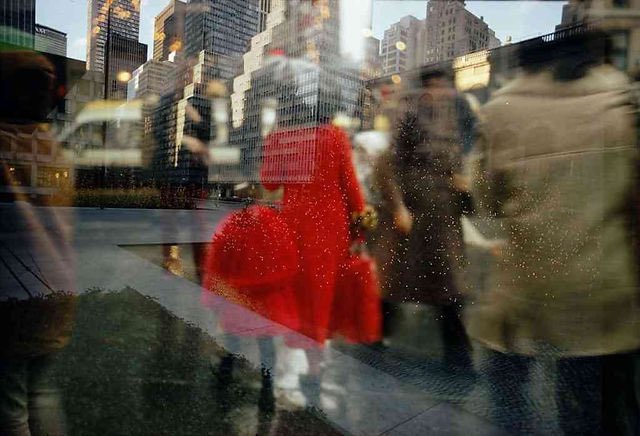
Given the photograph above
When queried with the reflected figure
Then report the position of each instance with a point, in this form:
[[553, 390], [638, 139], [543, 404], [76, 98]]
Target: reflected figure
[[428, 167], [318, 214], [37, 278], [311, 160], [252, 262], [375, 170], [558, 173]]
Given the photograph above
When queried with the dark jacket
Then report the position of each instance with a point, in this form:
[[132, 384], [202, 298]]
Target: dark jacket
[[428, 153]]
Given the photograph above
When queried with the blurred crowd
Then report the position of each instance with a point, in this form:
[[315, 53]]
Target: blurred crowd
[[515, 220]]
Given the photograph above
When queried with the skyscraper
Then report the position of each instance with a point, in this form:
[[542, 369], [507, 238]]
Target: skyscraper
[[149, 79], [454, 31], [123, 17], [18, 22], [402, 45], [265, 9], [224, 27], [303, 78], [217, 34], [372, 59], [168, 31], [255, 58], [125, 55], [50, 40]]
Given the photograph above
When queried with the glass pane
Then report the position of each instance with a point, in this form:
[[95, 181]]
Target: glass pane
[[319, 217]]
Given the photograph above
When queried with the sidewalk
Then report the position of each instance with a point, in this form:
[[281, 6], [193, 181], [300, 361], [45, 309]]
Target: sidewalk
[[357, 398]]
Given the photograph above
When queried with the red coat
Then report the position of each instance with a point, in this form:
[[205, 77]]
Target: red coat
[[320, 192], [252, 262]]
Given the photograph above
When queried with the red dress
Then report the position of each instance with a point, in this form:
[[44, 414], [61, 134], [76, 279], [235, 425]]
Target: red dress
[[320, 192], [252, 262]]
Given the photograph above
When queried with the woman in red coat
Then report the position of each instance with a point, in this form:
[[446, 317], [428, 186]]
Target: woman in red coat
[[321, 192]]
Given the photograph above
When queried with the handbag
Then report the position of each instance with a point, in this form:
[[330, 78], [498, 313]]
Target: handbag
[[357, 312]]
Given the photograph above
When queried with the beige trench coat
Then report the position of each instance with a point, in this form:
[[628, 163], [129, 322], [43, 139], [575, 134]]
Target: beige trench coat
[[557, 171]]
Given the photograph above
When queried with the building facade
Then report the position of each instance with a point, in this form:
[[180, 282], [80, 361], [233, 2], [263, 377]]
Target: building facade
[[217, 34], [150, 79], [372, 62], [168, 30], [303, 81], [402, 46], [125, 56], [149, 83], [223, 27], [116, 17], [573, 14], [18, 22], [451, 31], [619, 18], [37, 164], [48, 40], [255, 58]]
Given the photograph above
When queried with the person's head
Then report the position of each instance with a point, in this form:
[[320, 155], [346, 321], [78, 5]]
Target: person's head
[[440, 76], [27, 81], [567, 57]]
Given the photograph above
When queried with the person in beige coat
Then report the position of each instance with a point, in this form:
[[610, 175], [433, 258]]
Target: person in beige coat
[[558, 172]]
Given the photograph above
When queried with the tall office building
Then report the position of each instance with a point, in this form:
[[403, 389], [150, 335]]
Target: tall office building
[[224, 27], [18, 22], [149, 83], [311, 30], [402, 45], [255, 58], [168, 31], [123, 17], [372, 60], [50, 40], [217, 34], [265, 8], [454, 31], [125, 55], [303, 80], [150, 79]]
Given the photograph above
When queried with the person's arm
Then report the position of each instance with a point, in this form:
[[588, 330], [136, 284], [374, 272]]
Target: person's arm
[[407, 136], [349, 182], [387, 184], [489, 185]]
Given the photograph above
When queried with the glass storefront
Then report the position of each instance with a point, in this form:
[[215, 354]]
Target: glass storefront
[[319, 217]]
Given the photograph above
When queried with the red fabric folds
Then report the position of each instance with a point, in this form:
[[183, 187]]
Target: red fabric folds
[[357, 315], [252, 262]]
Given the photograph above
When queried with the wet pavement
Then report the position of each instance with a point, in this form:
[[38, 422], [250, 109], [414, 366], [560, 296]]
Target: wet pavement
[[399, 388]]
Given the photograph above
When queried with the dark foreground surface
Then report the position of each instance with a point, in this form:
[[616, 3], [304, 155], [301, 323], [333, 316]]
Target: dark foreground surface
[[134, 368]]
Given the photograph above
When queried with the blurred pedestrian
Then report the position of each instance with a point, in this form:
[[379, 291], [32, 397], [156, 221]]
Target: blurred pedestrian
[[312, 160], [37, 304], [558, 156], [252, 262], [428, 150]]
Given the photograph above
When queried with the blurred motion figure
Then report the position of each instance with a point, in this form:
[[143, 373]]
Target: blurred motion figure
[[428, 150], [312, 161], [37, 281], [558, 172]]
